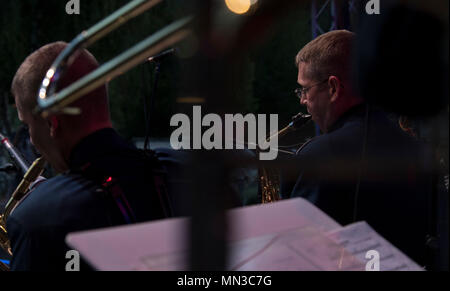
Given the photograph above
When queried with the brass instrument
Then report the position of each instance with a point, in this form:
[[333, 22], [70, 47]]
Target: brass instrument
[[50, 102], [30, 176], [269, 177], [270, 185], [32, 173]]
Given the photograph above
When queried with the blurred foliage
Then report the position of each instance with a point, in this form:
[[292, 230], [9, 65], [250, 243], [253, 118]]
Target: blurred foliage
[[275, 73]]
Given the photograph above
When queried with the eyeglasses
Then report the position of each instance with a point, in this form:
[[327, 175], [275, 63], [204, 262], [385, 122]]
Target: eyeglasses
[[299, 92]]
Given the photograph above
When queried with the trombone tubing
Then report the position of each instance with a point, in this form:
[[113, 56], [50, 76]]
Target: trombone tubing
[[115, 67], [86, 38]]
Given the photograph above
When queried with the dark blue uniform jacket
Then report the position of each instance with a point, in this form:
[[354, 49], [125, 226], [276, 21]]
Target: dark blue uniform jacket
[[76, 201], [395, 178]]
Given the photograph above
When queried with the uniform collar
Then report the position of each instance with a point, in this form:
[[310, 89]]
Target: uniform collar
[[99, 144], [356, 112]]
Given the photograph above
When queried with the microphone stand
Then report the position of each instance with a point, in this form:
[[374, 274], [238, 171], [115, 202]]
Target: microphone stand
[[149, 111]]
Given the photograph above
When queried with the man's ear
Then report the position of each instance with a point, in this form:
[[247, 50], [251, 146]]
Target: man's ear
[[335, 87], [53, 123]]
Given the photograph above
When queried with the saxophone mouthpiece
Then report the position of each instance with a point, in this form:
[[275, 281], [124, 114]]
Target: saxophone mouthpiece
[[300, 119]]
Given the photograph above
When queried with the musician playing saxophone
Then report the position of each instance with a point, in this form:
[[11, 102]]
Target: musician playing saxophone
[[104, 181], [362, 166]]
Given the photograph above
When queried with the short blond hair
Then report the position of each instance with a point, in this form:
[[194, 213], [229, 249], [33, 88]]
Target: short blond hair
[[328, 54], [32, 71]]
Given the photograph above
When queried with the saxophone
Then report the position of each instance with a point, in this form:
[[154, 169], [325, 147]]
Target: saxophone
[[269, 177], [30, 179]]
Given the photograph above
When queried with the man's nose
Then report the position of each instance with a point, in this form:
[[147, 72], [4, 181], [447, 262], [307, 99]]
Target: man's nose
[[303, 100]]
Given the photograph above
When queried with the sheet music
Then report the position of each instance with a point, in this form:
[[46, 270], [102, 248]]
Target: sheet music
[[302, 249], [359, 238], [286, 235]]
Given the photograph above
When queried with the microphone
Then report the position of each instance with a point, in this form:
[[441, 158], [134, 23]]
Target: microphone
[[162, 55]]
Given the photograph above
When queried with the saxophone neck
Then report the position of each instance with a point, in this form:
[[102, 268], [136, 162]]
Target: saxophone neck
[[297, 121], [33, 173]]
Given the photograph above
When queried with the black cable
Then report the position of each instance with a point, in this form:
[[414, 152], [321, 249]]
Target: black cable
[[144, 97]]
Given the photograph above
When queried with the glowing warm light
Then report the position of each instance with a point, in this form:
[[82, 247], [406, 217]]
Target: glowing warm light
[[42, 94], [46, 82], [238, 6], [50, 73]]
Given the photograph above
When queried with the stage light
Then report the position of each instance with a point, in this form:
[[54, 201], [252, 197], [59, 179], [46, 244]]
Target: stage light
[[239, 6]]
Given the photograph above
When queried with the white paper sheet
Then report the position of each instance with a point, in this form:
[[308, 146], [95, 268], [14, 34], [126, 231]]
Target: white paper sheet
[[286, 235], [359, 238]]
